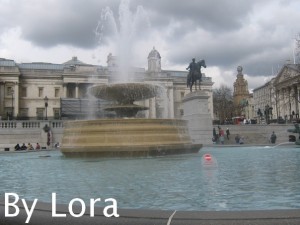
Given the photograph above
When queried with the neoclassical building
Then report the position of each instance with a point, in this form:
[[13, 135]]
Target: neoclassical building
[[281, 93], [41, 90]]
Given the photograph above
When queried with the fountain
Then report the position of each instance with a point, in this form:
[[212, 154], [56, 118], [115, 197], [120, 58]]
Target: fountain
[[126, 135]]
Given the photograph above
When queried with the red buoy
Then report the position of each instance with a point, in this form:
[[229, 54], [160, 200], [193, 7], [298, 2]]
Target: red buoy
[[207, 157]]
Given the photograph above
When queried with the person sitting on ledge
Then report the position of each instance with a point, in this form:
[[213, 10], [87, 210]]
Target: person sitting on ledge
[[18, 147], [30, 147], [241, 141], [23, 147], [37, 147]]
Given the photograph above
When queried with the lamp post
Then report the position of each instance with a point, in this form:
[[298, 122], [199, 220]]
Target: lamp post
[[12, 104], [46, 106], [268, 113]]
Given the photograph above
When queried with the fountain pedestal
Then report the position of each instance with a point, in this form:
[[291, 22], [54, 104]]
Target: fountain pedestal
[[195, 108]]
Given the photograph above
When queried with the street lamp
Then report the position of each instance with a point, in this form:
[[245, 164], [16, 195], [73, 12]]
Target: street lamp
[[268, 113], [46, 106]]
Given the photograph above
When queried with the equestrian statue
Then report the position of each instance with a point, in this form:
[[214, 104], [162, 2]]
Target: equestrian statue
[[195, 73]]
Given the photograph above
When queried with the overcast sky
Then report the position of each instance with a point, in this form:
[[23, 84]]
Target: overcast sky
[[258, 34]]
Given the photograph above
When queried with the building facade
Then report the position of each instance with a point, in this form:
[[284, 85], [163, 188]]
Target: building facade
[[59, 91], [279, 98]]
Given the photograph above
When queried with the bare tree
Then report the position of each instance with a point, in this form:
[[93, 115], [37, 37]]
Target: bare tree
[[223, 103]]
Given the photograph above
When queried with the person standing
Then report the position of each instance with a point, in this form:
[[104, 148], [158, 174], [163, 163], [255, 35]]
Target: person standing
[[221, 134], [227, 133], [273, 138]]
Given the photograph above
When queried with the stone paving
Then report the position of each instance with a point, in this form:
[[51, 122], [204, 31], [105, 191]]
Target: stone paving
[[43, 215]]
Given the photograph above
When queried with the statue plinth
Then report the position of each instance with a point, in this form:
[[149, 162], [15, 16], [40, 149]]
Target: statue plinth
[[195, 107]]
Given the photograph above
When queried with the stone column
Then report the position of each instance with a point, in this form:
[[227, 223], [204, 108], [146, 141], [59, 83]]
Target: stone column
[[195, 106], [76, 90], [147, 112], [152, 108], [65, 90], [282, 102], [16, 100], [297, 99], [171, 102], [2, 89]]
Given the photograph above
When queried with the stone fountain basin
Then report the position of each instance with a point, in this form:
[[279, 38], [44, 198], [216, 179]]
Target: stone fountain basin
[[125, 93], [127, 137]]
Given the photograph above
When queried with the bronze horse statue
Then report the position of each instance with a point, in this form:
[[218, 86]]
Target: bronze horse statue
[[195, 75]]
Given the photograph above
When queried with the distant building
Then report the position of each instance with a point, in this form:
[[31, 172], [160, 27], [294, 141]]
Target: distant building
[[241, 94], [281, 94], [24, 86]]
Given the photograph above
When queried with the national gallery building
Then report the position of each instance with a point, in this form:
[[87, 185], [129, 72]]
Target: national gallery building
[[30, 91]]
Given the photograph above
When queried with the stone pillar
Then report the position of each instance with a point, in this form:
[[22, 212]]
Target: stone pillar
[[16, 100], [171, 102], [152, 108], [195, 106], [282, 102], [65, 90], [2, 94], [76, 90]]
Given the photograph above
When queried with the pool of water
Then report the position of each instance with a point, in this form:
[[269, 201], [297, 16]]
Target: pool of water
[[240, 178]]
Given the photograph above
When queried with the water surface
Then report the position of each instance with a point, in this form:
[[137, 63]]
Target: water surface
[[241, 178]]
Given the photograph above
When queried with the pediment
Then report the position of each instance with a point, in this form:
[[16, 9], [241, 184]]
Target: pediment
[[287, 74]]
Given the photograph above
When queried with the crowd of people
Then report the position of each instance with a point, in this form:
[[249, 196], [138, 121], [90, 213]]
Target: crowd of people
[[220, 136], [27, 147]]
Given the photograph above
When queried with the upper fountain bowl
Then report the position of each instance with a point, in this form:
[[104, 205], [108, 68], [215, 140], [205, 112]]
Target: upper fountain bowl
[[125, 93]]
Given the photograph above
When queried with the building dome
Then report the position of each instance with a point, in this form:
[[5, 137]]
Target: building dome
[[154, 54]]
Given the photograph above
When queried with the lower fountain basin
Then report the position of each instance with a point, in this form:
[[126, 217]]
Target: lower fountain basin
[[127, 137]]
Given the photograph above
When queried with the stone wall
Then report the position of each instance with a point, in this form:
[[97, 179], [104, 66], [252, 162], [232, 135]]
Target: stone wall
[[257, 133], [14, 132]]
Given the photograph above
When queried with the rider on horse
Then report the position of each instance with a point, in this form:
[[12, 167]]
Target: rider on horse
[[195, 74], [192, 68]]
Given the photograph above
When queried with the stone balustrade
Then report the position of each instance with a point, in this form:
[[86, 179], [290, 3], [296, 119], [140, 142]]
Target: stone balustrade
[[29, 131]]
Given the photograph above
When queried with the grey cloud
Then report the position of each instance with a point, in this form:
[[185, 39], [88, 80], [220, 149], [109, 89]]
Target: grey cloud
[[226, 33], [212, 15], [67, 22]]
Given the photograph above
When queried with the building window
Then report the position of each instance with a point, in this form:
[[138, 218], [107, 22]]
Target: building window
[[56, 113], [8, 112], [23, 114], [41, 92], [182, 94], [181, 112], [71, 93], [24, 91], [40, 113], [56, 92], [9, 91]]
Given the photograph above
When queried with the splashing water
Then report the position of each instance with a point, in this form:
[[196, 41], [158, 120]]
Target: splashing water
[[124, 36]]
